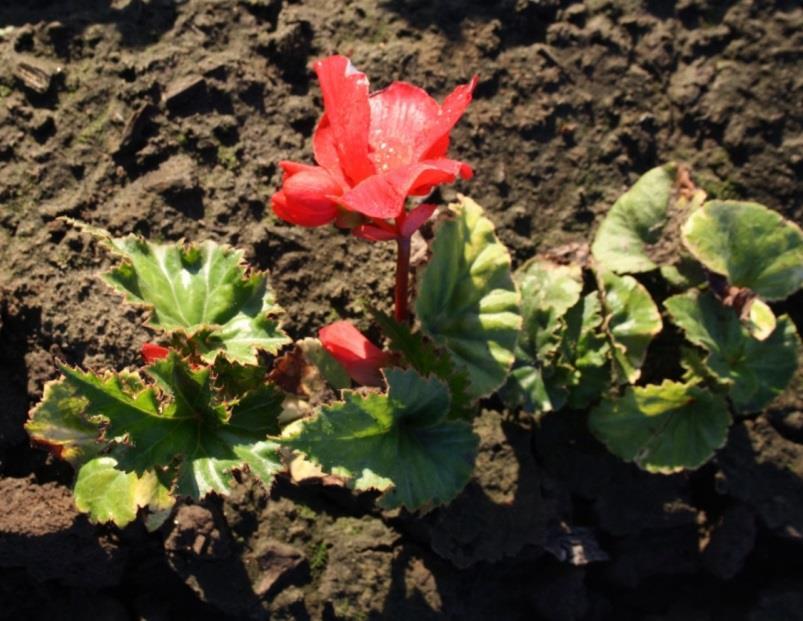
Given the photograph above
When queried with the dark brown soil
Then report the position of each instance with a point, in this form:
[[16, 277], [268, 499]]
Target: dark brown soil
[[168, 118]]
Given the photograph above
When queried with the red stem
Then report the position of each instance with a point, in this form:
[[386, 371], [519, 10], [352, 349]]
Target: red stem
[[402, 277]]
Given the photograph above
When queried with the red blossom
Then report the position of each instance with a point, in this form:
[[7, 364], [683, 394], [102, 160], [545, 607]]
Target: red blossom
[[151, 352], [356, 354], [372, 150]]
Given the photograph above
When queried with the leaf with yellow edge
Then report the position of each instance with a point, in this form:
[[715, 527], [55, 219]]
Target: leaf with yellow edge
[[467, 301]]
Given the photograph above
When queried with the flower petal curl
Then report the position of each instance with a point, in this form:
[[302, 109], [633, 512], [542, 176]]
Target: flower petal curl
[[360, 358], [383, 196], [305, 197]]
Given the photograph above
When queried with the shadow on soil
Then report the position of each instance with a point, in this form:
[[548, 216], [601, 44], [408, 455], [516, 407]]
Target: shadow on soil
[[139, 22]]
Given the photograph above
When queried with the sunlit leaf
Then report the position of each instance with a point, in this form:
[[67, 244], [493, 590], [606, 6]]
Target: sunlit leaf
[[755, 371], [58, 423], [632, 320], [467, 301], [664, 428], [636, 234], [202, 290], [109, 494], [401, 443], [761, 321], [188, 430], [548, 290], [752, 246]]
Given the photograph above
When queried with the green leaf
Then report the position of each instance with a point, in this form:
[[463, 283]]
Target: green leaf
[[203, 291], [632, 320], [636, 234], [585, 350], [187, 430], [467, 301], [427, 360], [548, 291], [110, 494], [685, 273], [231, 379], [761, 321], [537, 388], [752, 246], [256, 412], [664, 428], [330, 369], [755, 371], [58, 423], [401, 443]]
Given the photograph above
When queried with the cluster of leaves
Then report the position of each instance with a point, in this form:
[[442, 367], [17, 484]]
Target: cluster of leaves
[[233, 393], [588, 322], [225, 397]]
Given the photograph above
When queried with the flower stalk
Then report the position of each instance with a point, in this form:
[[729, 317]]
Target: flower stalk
[[402, 277]]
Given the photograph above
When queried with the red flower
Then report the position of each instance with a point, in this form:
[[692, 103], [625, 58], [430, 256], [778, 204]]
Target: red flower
[[356, 354], [373, 151], [151, 352]]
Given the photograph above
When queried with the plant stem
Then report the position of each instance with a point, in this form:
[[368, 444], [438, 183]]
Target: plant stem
[[402, 277]]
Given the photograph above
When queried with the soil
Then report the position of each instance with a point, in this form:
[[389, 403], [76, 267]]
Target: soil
[[168, 118]]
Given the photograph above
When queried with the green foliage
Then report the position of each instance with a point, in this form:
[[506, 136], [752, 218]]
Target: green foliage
[[664, 428], [585, 350], [761, 321], [109, 494], [633, 320], [401, 443], [577, 336], [467, 301], [548, 291], [568, 349], [752, 246], [636, 234], [422, 356], [57, 422], [330, 369], [203, 291], [175, 433], [754, 371]]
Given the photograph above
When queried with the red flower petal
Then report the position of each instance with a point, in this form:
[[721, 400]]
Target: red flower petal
[[416, 218], [345, 100], [434, 141], [325, 150], [383, 196], [357, 355], [407, 125], [399, 114], [305, 195], [373, 233], [151, 352]]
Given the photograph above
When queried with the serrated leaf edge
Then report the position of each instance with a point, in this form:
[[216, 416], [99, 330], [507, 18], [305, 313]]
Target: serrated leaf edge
[[107, 241]]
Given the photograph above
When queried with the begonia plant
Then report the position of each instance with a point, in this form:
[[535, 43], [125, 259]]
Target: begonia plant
[[224, 392]]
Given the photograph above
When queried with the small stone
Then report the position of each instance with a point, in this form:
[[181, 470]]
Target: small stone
[[175, 176], [731, 540], [134, 127], [182, 90], [279, 563], [35, 74], [196, 534]]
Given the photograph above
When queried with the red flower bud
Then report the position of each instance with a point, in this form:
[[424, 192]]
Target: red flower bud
[[356, 354], [151, 352]]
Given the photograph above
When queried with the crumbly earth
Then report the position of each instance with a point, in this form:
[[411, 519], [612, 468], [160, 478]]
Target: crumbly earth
[[168, 118]]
